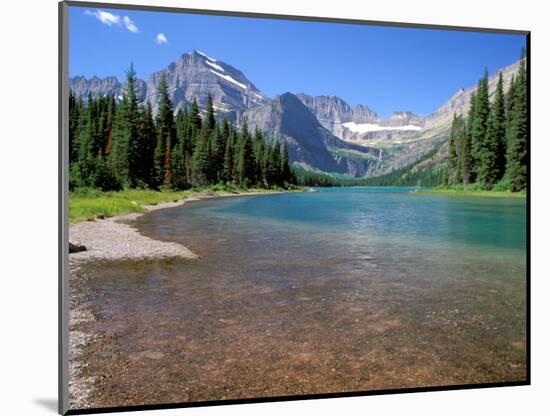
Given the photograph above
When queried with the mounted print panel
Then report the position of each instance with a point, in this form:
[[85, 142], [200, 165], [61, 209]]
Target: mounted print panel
[[263, 208]]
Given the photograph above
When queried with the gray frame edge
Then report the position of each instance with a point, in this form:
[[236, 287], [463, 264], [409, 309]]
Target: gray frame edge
[[63, 233]]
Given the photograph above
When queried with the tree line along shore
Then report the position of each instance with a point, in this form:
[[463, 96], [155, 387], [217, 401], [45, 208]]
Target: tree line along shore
[[115, 145], [121, 153]]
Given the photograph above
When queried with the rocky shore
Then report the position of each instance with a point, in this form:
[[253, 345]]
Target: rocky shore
[[110, 239]]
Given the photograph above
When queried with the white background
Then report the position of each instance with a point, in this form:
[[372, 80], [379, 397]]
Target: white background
[[28, 208]]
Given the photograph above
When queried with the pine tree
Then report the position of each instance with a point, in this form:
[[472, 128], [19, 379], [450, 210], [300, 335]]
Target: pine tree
[[452, 160], [245, 157], [111, 118], [75, 108], [147, 134], [103, 176], [275, 164], [497, 127], [165, 134], [217, 149], [259, 146], [286, 171], [85, 158], [488, 170], [210, 121], [480, 120], [124, 157], [179, 179], [229, 159], [510, 103], [491, 148], [195, 117], [466, 159], [516, 167], [201, 162]]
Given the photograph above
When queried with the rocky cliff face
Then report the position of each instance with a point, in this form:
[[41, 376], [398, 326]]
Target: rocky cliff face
[[99, 87], [332, 112], [309, 143], [361, 125], [331, 109], [195, 75]]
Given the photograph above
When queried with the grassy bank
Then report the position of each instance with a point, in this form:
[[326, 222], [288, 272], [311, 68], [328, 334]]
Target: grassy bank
[[472, 190], [87, 205]]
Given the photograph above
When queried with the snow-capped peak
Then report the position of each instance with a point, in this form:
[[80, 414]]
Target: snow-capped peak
[[205, 55]]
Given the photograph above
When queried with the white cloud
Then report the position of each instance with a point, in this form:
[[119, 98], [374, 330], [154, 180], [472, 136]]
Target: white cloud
[[111, 19], [130, 25], [106, 18], [160, 39]]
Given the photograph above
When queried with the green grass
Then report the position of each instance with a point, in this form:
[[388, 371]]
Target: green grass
[[90, 204], [472, 190], [93, 204]]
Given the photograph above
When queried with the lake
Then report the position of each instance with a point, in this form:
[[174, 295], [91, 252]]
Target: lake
[[344, 289]]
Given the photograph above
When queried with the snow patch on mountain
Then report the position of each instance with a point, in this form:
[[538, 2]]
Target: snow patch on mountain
[[216, 66], [206, 56], [220, 108], [369, 127], [230, 79]]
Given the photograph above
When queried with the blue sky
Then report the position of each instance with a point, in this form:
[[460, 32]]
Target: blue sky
[[387, 68]]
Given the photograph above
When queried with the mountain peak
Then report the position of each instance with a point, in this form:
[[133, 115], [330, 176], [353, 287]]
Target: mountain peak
[[203, 55], [196, 75]]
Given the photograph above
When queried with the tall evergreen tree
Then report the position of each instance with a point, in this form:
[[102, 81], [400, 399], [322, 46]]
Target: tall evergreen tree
[[147, 144], [124, 157], [245, 157], [453, 161], [491, 148], [516, 167], [217, 149], [179, 179], [480, 120], [75, 108], [466, 158], [229, 158], [510, 103], [497, 127], [201, 161], [209, 120], [111, 118], [165, 134], [195, 117], [286, 172]]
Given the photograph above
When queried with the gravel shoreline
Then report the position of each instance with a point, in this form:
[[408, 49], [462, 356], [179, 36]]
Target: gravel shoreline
[[109, 239]]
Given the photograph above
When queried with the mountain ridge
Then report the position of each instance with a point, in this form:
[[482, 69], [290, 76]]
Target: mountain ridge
[[350, 140]]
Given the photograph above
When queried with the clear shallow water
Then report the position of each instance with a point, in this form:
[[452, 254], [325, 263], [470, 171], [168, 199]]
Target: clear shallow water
[[347, 289]]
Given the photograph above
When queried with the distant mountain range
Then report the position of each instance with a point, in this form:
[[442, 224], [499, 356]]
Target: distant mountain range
[[322, 133]]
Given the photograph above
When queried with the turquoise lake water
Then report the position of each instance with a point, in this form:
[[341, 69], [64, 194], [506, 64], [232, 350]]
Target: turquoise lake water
[[344, 289]]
